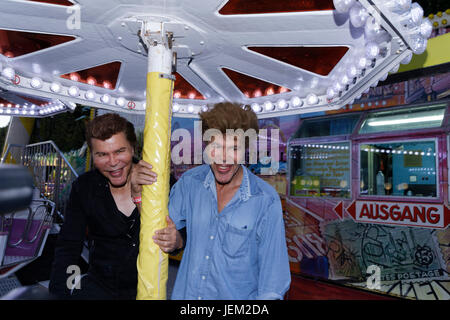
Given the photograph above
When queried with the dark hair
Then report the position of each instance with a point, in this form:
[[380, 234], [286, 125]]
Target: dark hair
[[105, 126], [229, 115]]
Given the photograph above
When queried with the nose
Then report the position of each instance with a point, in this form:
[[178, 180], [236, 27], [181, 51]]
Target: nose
[[113, 160]]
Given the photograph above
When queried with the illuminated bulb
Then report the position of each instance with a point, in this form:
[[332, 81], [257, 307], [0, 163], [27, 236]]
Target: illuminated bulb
[[191, 95], [268, 106], [418, 44], [372, 50], [282, 104], [90, 95], [91, 80], [9, 73], [426, 28], [177, 94], [283, 89], [120, 102], [55, 87], [105, 98], [384, 77], [331, 93], [337, 87], [407, 59], [205, 108], [73, 91], [358, 15], [363, 62], [343, 6], [312, 99], [395, 69], [36, 83], [175, 107], [107, 84], [416, 14], [32, 112], [257, 93], [296, 102], [345, 80], [74, 76], [191, 108], [398, 6], [352, 72], [256, 107]]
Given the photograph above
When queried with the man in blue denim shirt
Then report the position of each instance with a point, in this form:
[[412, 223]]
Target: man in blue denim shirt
[[236, 246]]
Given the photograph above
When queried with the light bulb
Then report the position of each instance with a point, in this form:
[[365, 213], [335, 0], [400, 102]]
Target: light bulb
[[9, 73], [418, 44], [363, 62], [90, 95], [398, 6], [105, 98], [331, 93], [372, 50], [345, 80], [190, 108], [205, 108], [55, 87], [416, 14], [74, 91], [296, 102], [426, 28], [343, 6], [352, 72], [268, 106], [36, 83], [407, 59], [175, 107], [358, 15], [282, 104], [312, 99], [120, 102], [256, 107]]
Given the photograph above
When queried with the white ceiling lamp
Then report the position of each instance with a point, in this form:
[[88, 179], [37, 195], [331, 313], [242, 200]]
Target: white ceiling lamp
[[74, 91], [343, 6], [176, 107], [191, 108], [55, 87], [90, 94], [120, 102], [282, 104], [9, 73], [358, 15], [256, 107], [268, 106], [296, 102], [106, 98], [36, 83], [312, 99]]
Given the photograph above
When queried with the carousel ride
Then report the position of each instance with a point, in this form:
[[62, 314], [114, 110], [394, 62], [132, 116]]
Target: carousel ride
[[176, 58]]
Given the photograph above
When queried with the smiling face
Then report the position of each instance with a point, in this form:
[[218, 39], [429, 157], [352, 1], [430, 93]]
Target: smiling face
[[225, 158], [113, 157]]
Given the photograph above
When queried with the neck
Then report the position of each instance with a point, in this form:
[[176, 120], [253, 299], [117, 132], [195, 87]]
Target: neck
[[235, 181], [126, 188]]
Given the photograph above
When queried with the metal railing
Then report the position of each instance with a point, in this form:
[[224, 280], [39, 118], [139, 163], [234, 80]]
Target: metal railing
[[52, 173]]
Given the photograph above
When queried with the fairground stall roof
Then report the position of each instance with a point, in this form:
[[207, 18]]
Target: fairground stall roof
[[279, 56]]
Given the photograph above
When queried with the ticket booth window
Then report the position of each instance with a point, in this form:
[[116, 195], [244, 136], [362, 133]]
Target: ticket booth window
[[406, 169], [320, 170]]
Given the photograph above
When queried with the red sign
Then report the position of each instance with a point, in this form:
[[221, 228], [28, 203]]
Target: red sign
[[399, 213]]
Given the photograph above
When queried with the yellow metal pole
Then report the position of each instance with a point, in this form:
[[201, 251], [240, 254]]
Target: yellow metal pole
[[152, 262]]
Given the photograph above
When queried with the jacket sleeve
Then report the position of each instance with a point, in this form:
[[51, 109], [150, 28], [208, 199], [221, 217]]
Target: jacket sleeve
[[69, 244]]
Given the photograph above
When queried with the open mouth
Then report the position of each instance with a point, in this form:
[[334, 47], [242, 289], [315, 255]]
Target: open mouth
[[116, 173]]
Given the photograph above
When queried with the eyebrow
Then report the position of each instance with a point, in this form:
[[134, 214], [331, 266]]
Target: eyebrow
[[121, 149]]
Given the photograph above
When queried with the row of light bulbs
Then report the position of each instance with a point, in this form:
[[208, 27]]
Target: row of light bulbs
[[409, 14], [33, 110], [404, 152], [324, 146]]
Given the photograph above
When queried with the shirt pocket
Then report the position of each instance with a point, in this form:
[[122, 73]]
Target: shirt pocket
[[236, 242]]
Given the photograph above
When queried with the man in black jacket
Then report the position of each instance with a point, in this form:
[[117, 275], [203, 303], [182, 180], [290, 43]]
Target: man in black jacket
[[101, 208]]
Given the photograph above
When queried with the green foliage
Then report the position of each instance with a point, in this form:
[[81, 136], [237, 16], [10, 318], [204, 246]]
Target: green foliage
[[65, 129]]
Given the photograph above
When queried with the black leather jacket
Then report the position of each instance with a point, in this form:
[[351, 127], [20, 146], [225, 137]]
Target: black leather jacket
[[113, 239]]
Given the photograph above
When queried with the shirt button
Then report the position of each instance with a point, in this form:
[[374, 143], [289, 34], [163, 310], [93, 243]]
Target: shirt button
[[211, 237], [134, 244], [207, 257], [203, 277], [199, 298]]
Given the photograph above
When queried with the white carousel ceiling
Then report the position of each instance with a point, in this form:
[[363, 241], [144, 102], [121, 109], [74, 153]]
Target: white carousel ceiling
[[318, 56]]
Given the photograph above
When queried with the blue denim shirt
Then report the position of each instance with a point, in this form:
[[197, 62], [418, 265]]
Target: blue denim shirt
[[239, 253]]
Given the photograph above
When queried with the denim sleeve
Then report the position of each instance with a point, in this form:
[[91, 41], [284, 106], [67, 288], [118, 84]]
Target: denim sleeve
[[177, 208], [274, 272]]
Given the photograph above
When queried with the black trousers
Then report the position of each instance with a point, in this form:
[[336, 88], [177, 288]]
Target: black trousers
[[91, 289]]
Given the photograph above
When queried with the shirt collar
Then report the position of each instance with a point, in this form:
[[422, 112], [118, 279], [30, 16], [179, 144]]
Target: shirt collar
[[244, 189]]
